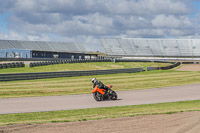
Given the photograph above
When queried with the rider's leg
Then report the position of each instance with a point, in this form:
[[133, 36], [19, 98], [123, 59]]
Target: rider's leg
[[106, 92], [106, 88]]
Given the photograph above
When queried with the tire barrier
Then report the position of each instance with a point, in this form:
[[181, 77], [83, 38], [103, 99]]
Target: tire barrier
[[12, 65], [170, 66], [43, 75], [44, 63], [174, 64], [35, 64]]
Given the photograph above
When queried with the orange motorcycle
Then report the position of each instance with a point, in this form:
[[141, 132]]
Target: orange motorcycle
[[101, 94]]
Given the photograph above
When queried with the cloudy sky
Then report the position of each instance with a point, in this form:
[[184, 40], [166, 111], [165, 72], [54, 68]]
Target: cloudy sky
[[87, 21]]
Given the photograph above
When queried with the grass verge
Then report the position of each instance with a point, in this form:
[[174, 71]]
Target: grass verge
[[83, 84], [83, 66], [99, 113]]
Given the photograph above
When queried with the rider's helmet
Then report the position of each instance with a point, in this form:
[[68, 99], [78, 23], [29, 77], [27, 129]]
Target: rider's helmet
[[93, 80]]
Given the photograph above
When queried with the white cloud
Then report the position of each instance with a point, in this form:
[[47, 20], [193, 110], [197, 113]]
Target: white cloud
[[145, 33], [163, 21], [13, 35], [87, 20], [171, 21]]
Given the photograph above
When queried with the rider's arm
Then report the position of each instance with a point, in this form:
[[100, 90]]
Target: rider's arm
[[101, 85], [94, 85]]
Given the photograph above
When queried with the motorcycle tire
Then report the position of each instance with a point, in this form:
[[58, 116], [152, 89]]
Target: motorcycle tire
[[98, 96], [114, 95]]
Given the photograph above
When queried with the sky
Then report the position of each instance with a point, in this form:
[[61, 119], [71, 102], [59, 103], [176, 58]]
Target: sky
[[87, 21]]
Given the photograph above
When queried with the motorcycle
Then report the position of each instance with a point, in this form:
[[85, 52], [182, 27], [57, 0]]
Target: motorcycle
[[98, 93]]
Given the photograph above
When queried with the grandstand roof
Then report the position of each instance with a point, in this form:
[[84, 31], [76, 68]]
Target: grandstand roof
[[43, 46], [151, 47]]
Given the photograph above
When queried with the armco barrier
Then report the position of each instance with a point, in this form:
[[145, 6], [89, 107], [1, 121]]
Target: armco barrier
[[191, 62], [30, 76], [152, 68]]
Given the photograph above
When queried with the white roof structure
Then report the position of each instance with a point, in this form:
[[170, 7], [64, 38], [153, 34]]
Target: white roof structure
[[151, 47], [43, 46]]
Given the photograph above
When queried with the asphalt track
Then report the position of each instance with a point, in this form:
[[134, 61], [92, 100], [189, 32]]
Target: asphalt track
[[69, 102]]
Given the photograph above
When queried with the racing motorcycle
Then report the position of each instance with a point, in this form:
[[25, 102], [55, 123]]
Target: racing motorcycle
[[98, 93]]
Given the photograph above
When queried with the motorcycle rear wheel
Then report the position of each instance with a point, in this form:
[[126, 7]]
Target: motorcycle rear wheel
[[114, 95]]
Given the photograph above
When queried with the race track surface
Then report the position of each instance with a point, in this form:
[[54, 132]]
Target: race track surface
[[69, 102]]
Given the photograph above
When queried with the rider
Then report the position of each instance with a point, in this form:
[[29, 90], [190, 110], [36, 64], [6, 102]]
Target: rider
[[100, 84]]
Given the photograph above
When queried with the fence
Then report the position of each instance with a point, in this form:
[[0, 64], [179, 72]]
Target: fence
[[30, 76], [12, 65]]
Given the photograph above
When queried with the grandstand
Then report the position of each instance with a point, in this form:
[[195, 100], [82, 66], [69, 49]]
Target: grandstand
[[160, 48], [42, 49]]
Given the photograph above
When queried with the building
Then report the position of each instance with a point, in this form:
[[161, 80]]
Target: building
[[43, 49], [152, 47]]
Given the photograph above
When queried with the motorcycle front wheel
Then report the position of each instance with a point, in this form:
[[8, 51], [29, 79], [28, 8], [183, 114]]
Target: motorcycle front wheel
[[98, 96]]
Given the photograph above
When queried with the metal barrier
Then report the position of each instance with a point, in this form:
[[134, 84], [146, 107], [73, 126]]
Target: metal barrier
[[191, 62], [30, 76], [152, 68]]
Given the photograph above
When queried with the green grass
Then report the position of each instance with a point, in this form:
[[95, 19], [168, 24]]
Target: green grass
[[99, 113], [83, 66], [83, 84]]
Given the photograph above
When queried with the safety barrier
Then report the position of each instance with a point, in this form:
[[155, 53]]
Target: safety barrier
[[138, 60], [170, 66], [152, 68], [44, 63], [190, 62], [35, 64], [12, 65], [30, 76], [174, 64], [42, 75]]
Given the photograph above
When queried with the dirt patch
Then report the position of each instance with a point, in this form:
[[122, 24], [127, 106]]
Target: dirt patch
[[189, 67], [180, 123]]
